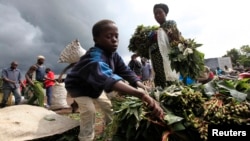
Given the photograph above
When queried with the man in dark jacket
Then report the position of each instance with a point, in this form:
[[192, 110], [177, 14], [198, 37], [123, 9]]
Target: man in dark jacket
[[135, 65]]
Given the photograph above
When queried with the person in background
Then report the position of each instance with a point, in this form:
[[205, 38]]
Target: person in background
[[218, 71], [168, 31], [49, 83], [11, 83], [239, 68], [34, 86], [146, 71], [40, 71], [102, 70], [205, 76], [135, 65], [227, 70]]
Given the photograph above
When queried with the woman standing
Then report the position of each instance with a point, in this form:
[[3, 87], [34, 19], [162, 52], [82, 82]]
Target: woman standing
[[168, 32]]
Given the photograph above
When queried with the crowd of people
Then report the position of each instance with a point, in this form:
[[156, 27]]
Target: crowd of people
[[142, 69], [37, 84]]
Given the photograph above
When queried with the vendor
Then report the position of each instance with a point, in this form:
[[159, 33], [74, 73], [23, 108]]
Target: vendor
[[205, 76]]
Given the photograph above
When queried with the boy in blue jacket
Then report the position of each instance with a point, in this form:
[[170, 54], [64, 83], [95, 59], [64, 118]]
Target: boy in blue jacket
[[102, 70]]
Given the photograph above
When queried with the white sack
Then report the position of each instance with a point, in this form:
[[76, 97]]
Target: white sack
[[71, 53], [59, 97]]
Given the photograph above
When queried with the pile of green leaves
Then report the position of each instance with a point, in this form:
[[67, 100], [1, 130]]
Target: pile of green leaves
[[188, 112]]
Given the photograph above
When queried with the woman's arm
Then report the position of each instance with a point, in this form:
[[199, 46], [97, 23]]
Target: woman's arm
[[28, 79]]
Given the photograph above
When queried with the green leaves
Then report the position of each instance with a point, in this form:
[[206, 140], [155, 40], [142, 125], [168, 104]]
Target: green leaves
[[142, 39], [190, 57]]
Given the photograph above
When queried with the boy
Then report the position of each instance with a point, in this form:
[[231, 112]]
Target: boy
[[49, 83], [135, 65], [102, 69]]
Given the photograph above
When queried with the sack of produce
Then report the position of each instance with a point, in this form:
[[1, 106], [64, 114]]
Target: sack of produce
[[71, 53], [11, 99], [59, 97]]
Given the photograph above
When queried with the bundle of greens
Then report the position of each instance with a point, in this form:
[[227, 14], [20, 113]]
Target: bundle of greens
[[183, 51], [188, 112], [140, 41], [186, 54]]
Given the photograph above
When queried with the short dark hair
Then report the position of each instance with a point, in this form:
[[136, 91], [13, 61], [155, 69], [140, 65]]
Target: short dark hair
[[163, 6], [48, 69], [134, 56], [99, 26]]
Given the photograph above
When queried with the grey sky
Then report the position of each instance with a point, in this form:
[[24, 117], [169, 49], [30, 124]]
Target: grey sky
[[39, 27], [44, 27]]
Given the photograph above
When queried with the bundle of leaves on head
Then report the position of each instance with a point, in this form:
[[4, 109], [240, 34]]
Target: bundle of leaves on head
[[183, 52]]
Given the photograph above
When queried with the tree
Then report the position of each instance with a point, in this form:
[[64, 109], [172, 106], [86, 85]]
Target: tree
[[234, 54], [245, 57], [245, 49], [241, 55]]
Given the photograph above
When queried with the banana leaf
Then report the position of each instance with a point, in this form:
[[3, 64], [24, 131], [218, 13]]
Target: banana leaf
[[209, 89], [240, 96], [170, 117]]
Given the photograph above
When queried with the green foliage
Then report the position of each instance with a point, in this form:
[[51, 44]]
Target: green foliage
[[193, 60], [239, 55], [188, 111], [140, 42], [183, 52]]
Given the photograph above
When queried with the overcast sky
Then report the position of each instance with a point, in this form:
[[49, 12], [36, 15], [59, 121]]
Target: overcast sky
[[44, 27]]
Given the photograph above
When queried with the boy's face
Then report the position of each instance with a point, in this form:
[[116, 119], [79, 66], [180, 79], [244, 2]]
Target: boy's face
[[108, 38]]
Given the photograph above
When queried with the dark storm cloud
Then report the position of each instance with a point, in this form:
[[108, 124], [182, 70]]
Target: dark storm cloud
[[37, 27]]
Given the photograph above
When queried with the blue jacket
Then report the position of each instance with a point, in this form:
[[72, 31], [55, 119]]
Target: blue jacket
[[96, 71]]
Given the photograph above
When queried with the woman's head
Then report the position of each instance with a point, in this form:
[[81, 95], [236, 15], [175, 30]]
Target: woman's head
[[47, 70], [134, 56], [105, 35], [160, 12], [33, 68]]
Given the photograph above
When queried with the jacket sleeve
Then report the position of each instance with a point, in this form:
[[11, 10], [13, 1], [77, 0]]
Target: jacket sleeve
[[125, 72], [97, 73]]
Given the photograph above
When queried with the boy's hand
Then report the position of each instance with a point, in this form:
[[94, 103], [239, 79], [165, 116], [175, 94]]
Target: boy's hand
[[152, 104]]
